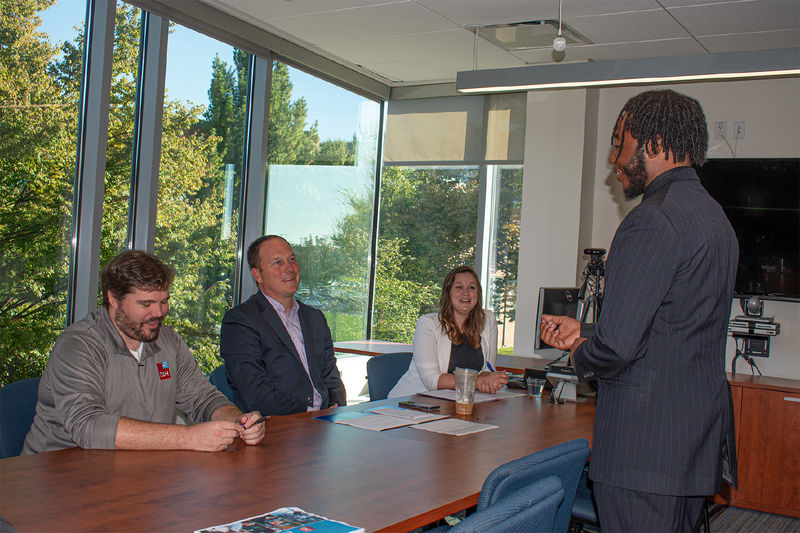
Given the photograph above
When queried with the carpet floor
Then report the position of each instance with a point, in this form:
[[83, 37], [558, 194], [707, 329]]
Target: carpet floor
[[726, 519]]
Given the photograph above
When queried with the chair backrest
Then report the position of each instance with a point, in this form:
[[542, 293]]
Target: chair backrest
[[17, 409], [530, 509], [220, 381], [564, 460], [585, 509], [384, 371]]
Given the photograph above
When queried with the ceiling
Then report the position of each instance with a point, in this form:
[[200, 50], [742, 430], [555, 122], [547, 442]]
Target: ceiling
[[418, 42]]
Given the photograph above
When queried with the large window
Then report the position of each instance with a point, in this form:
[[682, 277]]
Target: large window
[[40, 66], [450, 191], [504, 252], [199, 178], [321, 167], [428, 226], [451, 195]]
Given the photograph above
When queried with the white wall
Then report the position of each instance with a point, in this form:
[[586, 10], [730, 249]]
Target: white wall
[[551, 196], [771, 111]]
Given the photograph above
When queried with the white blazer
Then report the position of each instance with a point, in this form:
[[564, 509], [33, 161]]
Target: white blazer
[[431, 347]]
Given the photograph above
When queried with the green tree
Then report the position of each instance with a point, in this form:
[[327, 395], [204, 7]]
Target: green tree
[[435, 212], [506, 242], [428, 223], [38, 121], [398, 300], [116, 196], [188, 235], [288, 141], [341, 153], [221, 117], [428, 226]]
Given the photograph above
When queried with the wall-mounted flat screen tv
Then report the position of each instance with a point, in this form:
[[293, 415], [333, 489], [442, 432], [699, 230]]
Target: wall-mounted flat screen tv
[[761, 198]]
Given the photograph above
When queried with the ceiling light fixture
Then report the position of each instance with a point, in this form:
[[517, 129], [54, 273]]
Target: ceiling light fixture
[[559, 43], [729, 65]]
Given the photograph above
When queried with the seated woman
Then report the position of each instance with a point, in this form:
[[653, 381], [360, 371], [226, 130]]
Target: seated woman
[[461, 335]]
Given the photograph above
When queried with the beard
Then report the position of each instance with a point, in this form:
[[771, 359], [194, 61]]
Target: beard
[[636, 171], [136, 330]]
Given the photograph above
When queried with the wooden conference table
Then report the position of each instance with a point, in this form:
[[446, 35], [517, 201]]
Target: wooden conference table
[[371, 348], [394, 480]]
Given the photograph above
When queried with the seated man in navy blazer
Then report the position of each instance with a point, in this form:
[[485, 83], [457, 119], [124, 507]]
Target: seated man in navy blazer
[[278, 352]]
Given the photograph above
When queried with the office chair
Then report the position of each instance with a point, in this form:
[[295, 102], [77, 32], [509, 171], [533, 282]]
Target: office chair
[[565, 460], [17, 409], [584, 510], [219, 379], [529, 509], [384, 371]]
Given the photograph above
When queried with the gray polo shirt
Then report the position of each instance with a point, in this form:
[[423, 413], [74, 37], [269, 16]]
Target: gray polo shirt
[[91, 380]]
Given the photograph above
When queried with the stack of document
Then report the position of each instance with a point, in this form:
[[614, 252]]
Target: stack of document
[[454, 426], [380, 418], [480, 397]]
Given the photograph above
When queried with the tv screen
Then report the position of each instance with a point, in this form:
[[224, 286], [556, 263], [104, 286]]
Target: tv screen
[[761, 198], [554, 301]]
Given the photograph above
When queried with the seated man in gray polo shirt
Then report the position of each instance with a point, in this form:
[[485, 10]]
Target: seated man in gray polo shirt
[[115, 378]]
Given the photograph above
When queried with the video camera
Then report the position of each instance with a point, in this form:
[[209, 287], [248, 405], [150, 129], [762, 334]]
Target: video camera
[[595, 255]]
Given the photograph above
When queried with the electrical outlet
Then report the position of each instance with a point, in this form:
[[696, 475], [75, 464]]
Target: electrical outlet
[[720, 129], [738, 129]]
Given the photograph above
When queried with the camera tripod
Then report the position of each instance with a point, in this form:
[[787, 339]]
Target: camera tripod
[[590, 295]]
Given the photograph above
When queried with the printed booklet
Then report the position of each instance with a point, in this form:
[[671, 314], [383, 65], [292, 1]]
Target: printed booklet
[[285, 520]]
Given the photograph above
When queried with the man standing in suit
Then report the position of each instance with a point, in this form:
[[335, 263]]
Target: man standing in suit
[[278, 352], [663, 434]]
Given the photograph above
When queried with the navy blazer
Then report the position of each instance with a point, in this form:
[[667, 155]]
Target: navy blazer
[[263, 366], [664, 419]]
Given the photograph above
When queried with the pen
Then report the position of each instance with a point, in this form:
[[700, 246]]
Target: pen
[[490, 366], [262, 419]]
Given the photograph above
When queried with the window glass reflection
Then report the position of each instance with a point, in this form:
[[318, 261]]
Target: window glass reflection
[[321, 173], [199, 179]]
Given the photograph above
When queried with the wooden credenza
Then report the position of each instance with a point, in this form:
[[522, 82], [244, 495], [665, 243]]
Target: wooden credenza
[[767, 412]]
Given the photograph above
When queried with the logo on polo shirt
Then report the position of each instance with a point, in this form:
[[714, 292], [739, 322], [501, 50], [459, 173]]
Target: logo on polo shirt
[[163, 370]]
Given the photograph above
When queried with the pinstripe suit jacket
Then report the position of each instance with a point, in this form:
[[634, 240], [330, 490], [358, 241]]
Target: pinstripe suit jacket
[[664, 420]]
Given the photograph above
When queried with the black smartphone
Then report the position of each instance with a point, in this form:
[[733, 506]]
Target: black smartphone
[[419, 406]]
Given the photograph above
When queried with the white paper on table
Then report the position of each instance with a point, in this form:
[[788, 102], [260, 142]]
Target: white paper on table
[[381, 422], [416, 416], [508, 393], [454, 426], [480, 397]]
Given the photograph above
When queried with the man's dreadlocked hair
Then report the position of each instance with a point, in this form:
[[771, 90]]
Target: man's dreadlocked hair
[[670, 119]]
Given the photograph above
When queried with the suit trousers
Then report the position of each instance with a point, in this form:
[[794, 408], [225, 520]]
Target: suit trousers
[[625, 510]]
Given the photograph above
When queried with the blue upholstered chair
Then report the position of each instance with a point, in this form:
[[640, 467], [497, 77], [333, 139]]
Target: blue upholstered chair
[[584, 509], [220, 381], [531, 508], [17, 409], [384, 371], [565, 460]]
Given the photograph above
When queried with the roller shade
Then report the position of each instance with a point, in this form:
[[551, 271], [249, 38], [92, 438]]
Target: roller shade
[[458, 130]]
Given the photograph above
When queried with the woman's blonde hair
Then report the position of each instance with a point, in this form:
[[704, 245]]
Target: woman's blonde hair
[[473, 324]]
